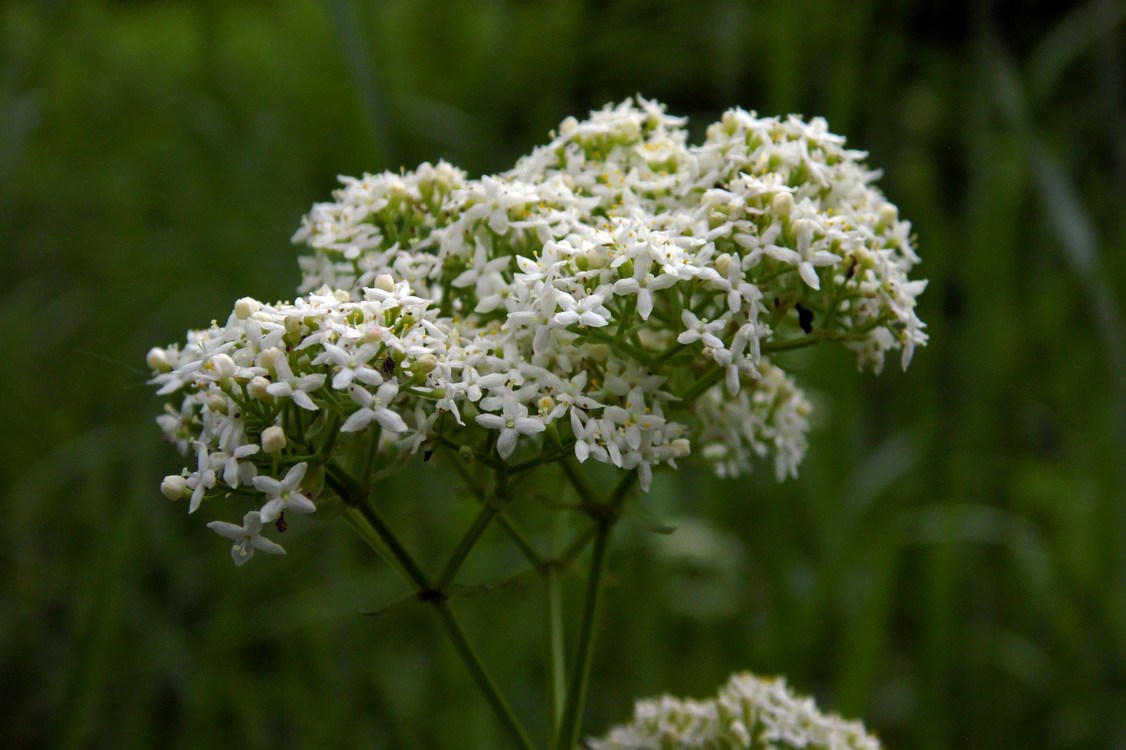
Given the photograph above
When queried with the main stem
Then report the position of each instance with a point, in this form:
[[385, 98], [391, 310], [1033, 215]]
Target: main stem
[[484, 682], [571, 723], [357, 499]]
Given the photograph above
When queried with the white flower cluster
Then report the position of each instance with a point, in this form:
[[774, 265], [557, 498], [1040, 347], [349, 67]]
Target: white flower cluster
[[618, 290], [748, 713]]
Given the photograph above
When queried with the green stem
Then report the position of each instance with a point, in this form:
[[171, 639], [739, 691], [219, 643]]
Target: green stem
[[798, 343], [556, 663], [520, 539], [588, 497], [372, 538], [486, 515], [477, 670], [571, 724], [414, 573], [706, 381], [346, 487], [518, 536], [369, 460]]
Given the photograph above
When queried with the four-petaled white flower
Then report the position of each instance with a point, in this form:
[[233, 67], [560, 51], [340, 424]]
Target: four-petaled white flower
[[351, 365], [512, 422], [375, 408], [291, 386], [235, 470], [588, 311], [701, 330], [204, 477], [284, 495], [635, 418], [246, 538]]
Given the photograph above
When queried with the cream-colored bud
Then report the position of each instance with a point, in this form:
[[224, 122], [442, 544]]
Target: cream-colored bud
[[269, 358], [273, 439], [258, 387], [723, 263], [385, 282], [782, 204], [174, 487], [373, 333], [216, 403], [341, 295], [292, 324], [681, 447], [598, 352], [220, 366], [887, 214], [246, 307], [595, 256], [158, 360], [424, 364]]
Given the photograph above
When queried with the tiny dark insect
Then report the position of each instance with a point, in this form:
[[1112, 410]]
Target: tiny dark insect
[[281, 523], [388, 366], [427, 455], [805, 317], [851, 268]]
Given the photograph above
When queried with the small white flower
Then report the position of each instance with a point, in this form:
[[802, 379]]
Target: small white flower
[[374, 408], [284, 495], [512, 422], [204, 477], [635, 418], [701, 330], [290, 386], [235, 471], [246, 538], [589, 311], [351, 366]]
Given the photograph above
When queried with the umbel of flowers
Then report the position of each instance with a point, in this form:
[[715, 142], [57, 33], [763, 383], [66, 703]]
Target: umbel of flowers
[[618, 297], [748, 713], [618, 286]]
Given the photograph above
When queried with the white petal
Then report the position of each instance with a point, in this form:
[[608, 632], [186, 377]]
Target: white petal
[[358, 421], [809, 275], [390, 420], [506, 444]]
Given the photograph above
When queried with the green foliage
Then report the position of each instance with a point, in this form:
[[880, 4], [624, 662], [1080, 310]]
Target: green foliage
[[950, 567]]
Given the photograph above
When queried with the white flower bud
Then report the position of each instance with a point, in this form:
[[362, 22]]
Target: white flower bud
[[174, 487], [424, 364], [595, 257], [723, 263], [221, 366], [292, 324], [887, 215], [157, 359], [269, 358], [598, 352], [258, 387], [273, 439], [246, 307], [217, 403], [782, 204], [385, 282], [373, 333]]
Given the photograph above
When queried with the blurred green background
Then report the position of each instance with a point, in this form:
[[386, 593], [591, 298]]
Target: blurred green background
[[951, 565]]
